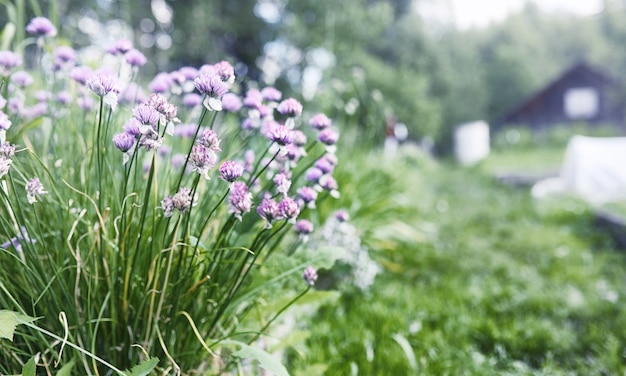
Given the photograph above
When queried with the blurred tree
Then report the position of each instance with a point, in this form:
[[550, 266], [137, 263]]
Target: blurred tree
[[384, 43]]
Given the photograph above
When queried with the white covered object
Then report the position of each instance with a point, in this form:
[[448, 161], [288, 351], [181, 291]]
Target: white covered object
[[471, 142], [594, 168]]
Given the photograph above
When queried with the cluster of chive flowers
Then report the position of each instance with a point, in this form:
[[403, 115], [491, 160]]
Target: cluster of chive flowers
[[257, 184], [272, 186]]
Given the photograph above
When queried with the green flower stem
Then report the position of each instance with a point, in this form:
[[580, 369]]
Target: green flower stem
[[208, 217], [131, 260], [253, 176], [193, 140], [242, 273]]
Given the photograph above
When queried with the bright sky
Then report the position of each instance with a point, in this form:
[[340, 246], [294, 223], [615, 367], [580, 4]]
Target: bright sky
[[470, 13]]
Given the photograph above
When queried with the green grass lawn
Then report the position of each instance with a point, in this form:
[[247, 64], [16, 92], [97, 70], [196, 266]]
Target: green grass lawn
[[478, 279]]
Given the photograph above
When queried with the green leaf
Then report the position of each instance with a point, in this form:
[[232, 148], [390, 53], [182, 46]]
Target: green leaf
[[407, 348], [144, 368], [266, 360], [66, 370], [9, 320], [30, 367], [294, 338], [8, 33]]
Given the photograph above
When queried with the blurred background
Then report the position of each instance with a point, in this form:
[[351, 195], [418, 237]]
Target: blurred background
[[428, 64], [473, 274]]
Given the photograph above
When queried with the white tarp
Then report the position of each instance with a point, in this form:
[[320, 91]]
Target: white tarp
[[471, 142], [593, 168]]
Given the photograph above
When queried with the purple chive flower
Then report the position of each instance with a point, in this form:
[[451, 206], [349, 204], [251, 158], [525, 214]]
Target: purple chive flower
[[202, 160], [214, 88], [135, 58], [231, 102], [225, 71], [283, 183], [22, 78], [34, 189], [294, 153], [120, 47], [264, 111], [303, 227], [280, 134], [41, 27], [190, 73], [309, 275], [342, 215], [313, 174], [8, 61], [81, 74], [177, 78], [133, 127], [331, 158], [268, 210], [253, 98], [164, 151], [231, 171], [207, 69], [240, 199], [104, 86], [150, 141], [271, 94], [64, 55], [167, 205], [42, 95], [308, 195], [324, 165], [194, 99], [328, 183], [328, 136], [288, 209], [16, 105], [146, 115], [7, 150], [210, 85], [165, 108], [16, 241], [64, 97], [5, 123], [249, 123], [320, 121], [5, 165], [124, 141], [290, 107], [209, 139], [161, 83], [182, 200], [267, 127], [299, 138]]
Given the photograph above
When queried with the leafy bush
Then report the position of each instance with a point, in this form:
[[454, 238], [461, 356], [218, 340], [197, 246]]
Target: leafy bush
[[126, 220]]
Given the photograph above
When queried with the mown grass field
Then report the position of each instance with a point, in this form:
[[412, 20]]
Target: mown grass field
[[478, 278]]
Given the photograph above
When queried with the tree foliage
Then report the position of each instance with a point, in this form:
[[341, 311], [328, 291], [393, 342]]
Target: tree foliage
[[429, 78]]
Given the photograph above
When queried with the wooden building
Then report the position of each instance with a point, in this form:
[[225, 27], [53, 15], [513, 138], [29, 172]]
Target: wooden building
[[580, 94]]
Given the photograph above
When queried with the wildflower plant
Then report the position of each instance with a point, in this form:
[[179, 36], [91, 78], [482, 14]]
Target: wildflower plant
[[150, 228]]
